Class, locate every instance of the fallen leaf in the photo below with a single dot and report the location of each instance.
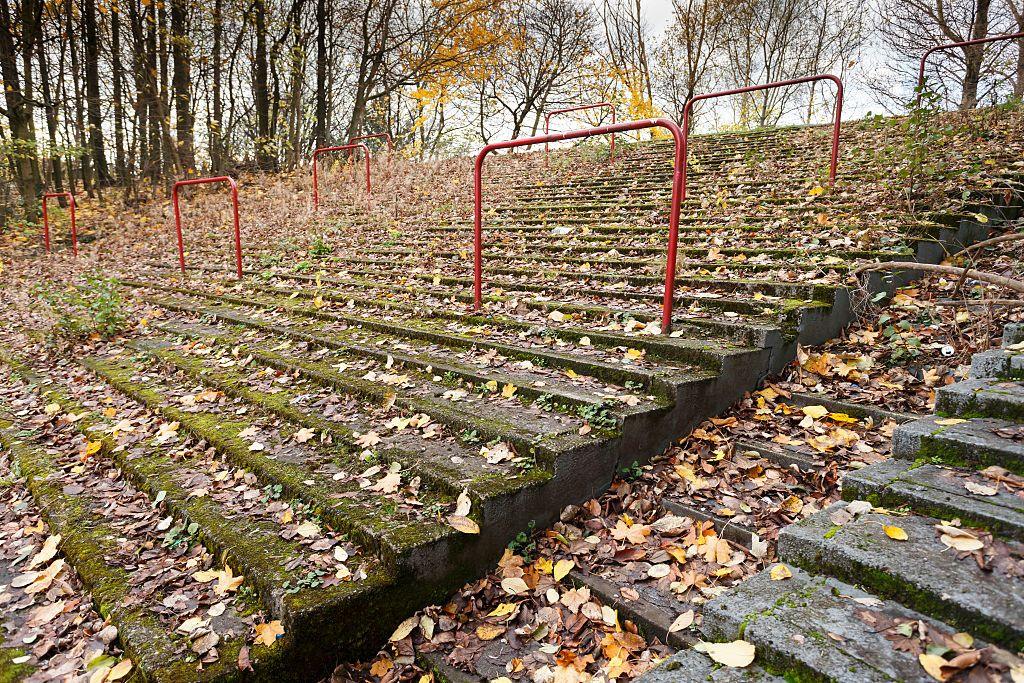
(894, 532)
(562, 569)
(404, 629)
(268, 633)
(684, 620)
(463, 524)
(737, 654)
(780, 572)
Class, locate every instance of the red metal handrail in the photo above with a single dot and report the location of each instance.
(46, 220)
(836, 125)
(234, 205)
(949, 46)
(385, 136)
(547, 124)
(324, 150)
(673, 230)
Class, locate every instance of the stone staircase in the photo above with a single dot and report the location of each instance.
(919, 567)
(363, 443)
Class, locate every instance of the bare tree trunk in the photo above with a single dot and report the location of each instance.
(321, 125)
(88, 182)
(51, 118)
(181, 48)
(120, 166)
(92, 93)
(974, 56)
(216, 139)
(264, 152)
(18, 100)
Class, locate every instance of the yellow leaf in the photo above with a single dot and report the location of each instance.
(52, 409)
(815, 412)
(268, 633)
(489, 631)
(463, 524)
(780, 572)
(950, 421)
(816, 191)
(508, 390)
(504, 609)
(93, 447)
(562, 569)
(932, 664)
(895, 532)
(120, 670)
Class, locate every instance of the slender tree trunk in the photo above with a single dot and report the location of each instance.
(181, 47)
(85, 164)
(216, 138)
(120, 167)
(51, 119)
(264, 150)
(92, 93)
(974, 56)
(321, 125)
(18, 101)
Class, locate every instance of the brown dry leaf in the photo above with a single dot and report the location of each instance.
(404, 629)
(45, 553)
(489, 631)
(268, 633)
(635, 534)
(932, 664)
(120, 670)
(463, 524)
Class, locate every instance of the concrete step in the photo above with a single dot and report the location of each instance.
(816, 628)
(968, 442)
(982, 397)
(249, 539)
(939, 492)
(921, 572)
(690, 666)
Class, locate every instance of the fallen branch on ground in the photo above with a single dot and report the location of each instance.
(953, 271)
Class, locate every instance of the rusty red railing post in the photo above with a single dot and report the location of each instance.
(547, 124)
(677, 191)
(324, 150)
(234, 206)
(836, 124)
(46, 220)
(949, 46)
(379, 136)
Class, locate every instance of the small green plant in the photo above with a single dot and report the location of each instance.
(312, 579)
(180, 536)
(545, 402)
(599, 416)
(320, 249)
(92, 308)
(302, 266)
(272, 492)
(469, 436)
(524, 544)
(632, 472)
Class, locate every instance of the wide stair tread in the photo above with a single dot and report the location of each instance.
(921, 572)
